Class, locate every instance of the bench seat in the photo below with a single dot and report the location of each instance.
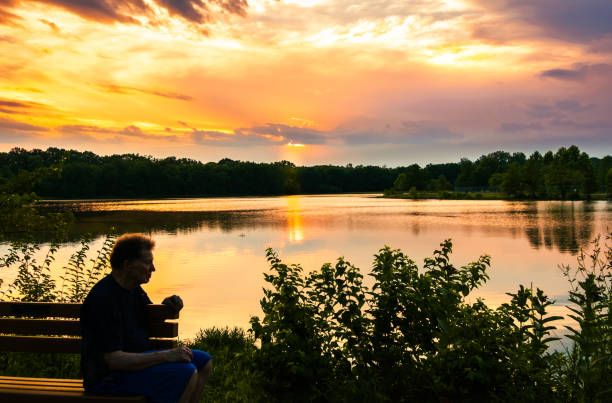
(38, 327)
(34, 390)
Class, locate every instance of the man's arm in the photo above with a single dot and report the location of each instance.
(122, 361)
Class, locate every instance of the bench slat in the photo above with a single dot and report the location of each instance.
(40, 309)
(40, 326)
(65, 383)
(71, 327)
(41, 344)
(67, 310)
(26, 379)
(49, 388)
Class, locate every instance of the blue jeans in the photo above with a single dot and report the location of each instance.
(163, 383)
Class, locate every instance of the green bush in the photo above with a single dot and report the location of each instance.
(412, 336)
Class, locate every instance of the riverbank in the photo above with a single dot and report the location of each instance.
(452, 195)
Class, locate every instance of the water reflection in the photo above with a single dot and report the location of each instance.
(563, 226)
(567, 226)
(295, 227)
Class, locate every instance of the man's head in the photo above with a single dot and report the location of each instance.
(132, 258)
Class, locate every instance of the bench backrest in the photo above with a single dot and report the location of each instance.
(54, 327)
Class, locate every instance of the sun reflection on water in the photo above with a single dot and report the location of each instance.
(295, 227)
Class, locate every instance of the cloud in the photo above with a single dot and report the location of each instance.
(7, 39)
(374, 131)
(559, 109)
(51, 24)
(590, 125)
(12, 106)
(578, 72)
(540, 111)
(7, 17)
(519, 127)
(117, 89)
(20, 126)
(133, 11)
(271, 133)
(191, 10)
(237, 7)
(113, 134)
(572, 105)
(284, 132)
(603, 45)
(569, 20)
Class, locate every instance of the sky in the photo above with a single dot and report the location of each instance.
(382, 82)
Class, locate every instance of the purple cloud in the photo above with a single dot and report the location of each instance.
(578, 72)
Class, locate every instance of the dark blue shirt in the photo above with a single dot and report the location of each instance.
(112, 318)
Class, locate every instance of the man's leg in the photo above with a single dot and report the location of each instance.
(203, 375)
(190, 390)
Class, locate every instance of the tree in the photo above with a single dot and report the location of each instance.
(441, 183)
(532, 175)
(401, 182)
(512, 183)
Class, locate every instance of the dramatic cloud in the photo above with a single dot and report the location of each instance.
(133, 11)
(578, 72)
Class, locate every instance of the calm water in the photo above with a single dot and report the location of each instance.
(212, 251)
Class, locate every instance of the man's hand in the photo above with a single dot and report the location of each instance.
(179, 354)
(175, 303)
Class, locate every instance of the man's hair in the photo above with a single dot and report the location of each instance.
(129, 247)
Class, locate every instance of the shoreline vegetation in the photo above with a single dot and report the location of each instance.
(567, 174)
(452, 195)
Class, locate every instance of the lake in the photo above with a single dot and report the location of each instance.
(211, 251)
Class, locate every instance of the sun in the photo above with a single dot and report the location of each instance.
(297, 145)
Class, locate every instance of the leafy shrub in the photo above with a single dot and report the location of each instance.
(411, 336)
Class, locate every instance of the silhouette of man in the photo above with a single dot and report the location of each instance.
(116, 357)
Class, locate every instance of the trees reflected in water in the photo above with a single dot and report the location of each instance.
(566, 226)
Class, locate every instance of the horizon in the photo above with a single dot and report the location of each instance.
(313, 82)
(422, 165)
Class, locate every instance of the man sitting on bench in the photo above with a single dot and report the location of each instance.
(116, 357)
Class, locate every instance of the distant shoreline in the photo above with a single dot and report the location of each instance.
(452, 195)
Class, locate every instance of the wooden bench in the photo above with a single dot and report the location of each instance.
(41, 327)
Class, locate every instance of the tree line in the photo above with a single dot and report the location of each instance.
(567, 173)
(88, 175)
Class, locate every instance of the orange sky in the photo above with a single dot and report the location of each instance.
(382, 82)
